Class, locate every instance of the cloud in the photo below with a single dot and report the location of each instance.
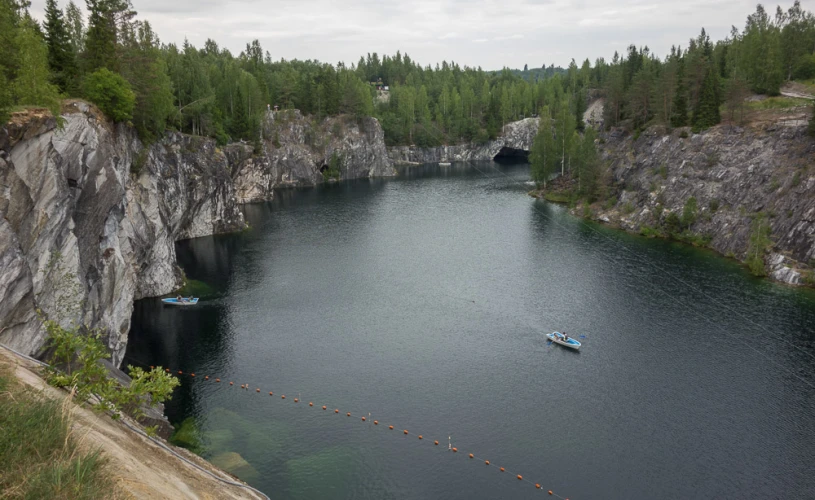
(487, 33)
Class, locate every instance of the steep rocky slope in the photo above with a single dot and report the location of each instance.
(296, 150)
(111, 209)
(737, 175)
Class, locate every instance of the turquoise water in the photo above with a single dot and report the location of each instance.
(424, 300)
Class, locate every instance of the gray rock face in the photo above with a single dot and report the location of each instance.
(297, 148)
(516, 137)
(734, 174)
(71, 191)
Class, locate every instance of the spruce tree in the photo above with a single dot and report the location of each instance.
(679, 108)
(100, 40)
(706, 113)
(61, 58)
(76, 27)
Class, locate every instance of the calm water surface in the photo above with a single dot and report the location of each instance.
(423, 300)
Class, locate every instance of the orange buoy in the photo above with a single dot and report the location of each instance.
(537, 486)
(206, 377)
(257, 390)
(405, 431)
(192, 374)
(217, 380)
(271, 393)
(180, 372)
(436, 443)
(167, 370)
(348, 414)
(336, 410)
(283, 396)
(376, 422)
(296, 400)
(324, 407)
(232, 383)
(487, 462)
(310, 403)
(550, 492)
(420, 436)
(520, 477)
(152, 367)
(501, 469)
(363, 419)
(390, 427)
(241, 386)
(455, 450)
(471, 455)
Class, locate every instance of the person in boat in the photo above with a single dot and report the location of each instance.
(180, 299)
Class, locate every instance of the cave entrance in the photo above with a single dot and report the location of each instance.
(323, 168)
(511, 155)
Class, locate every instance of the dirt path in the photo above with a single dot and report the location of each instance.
(143, 469)
(795, 89)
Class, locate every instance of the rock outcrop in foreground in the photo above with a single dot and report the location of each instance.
(737, 176)
(516, 139)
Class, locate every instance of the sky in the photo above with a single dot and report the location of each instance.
(491, 34)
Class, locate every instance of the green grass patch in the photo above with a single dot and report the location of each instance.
(196, 288)
(39, 455)
(778, 102)
(558, 197)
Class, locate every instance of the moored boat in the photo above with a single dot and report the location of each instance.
(180, 301)
(564, 340)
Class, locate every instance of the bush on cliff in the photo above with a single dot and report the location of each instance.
(111, 93)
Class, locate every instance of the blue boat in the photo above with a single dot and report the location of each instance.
(184, 301)
(564, 340)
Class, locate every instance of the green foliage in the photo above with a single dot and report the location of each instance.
(335, 166)
(187, 435)
(111, 93)
(713, 204)
(31, 85)
(610, 203)
(628, 208)
(758, 245)
(138, 162)
(689, 212)
(61, 55)
(796, 179)
(38, 452)
(706, 113)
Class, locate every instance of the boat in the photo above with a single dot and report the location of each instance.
(185, 301)
(444, 164)
(559, 338)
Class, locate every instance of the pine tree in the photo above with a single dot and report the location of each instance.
(542, 156)
(679, 108)
(61, 58)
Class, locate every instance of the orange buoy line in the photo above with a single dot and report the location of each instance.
(376, 422)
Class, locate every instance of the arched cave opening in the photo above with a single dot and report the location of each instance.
(511, 155)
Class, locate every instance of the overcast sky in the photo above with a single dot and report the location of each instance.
(487, 33)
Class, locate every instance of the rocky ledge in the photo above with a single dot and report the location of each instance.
(740, 178)
(297, 150)
(515, 140)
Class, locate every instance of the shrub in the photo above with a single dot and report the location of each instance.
(805, 67)
(111, 93)
(796, 178)
(759, 242)
(689, 212)
(683, 134)
(713, 205)
(628, 208)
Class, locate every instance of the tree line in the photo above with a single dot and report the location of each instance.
(115, 60)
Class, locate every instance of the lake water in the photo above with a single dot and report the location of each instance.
(424, 300)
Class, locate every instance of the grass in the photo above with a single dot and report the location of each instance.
(38, 452)
(778, 102)
(558, 197)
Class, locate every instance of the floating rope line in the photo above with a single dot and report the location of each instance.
(405, 432)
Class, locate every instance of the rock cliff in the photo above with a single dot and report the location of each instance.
(516, 139)
(297, 149)
(737, 175)
(110, 208)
